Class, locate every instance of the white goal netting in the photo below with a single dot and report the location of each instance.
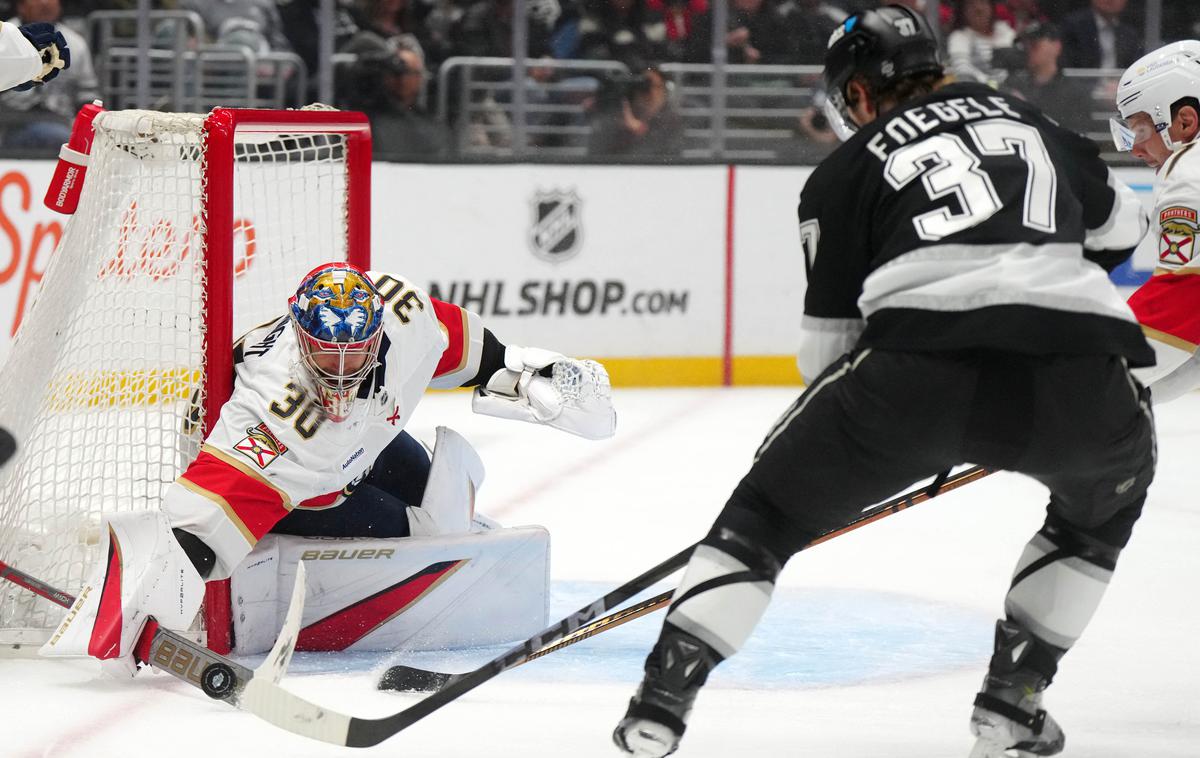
(105, 385)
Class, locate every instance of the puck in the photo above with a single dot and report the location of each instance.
(217, 681)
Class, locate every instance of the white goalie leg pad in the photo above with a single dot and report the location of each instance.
(575, 398)
(455, 475)
(405, 593)
(1054, 594)
(143, 572)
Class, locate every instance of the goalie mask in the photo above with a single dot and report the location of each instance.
(337, 314)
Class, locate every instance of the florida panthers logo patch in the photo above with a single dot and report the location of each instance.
(1177, 240)
(260, 446)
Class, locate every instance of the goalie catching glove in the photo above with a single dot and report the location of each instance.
(544, 387)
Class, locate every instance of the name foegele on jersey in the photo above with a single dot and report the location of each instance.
(920, 120)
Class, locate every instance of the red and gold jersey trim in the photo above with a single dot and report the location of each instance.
(252, 504)
(452, 320)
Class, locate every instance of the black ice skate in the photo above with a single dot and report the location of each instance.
(676, 669)
(1008, 718)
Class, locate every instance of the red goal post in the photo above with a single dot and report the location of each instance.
(191, 229)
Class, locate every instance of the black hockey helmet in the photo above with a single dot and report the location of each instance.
(882, 44)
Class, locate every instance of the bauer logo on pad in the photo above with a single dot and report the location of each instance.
(261, 446)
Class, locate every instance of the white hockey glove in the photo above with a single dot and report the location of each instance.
(143, 572)
(576, 397)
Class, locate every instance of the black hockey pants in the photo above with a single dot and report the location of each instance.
(877, 421)
(377, 507)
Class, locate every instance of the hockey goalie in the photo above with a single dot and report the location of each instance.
(309, 461)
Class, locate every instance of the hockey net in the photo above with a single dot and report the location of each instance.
(191, 229)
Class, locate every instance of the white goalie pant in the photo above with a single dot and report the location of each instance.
(410, 593)
(144, 572)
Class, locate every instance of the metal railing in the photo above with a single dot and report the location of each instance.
(748, 113)
(758, 116)
(185, 74)
(475, 98)
(758, 113)
(1103, 88)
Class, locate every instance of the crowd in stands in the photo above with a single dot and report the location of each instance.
(393, 45)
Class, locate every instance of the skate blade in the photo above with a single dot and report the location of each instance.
(985, 749)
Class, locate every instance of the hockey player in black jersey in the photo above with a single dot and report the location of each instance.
(957, 310)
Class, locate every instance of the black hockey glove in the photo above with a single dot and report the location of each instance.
(52, 46)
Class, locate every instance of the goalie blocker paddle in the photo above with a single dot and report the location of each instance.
(259, 692)
(411, 679)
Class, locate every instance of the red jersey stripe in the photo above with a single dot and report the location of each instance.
(454, 322)
(251, 503)
(321, 501)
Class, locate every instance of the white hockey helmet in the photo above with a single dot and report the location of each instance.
(1152, 85)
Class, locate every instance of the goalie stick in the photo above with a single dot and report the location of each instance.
(411, 679)
(184, 658)
(261, 694)
(258, 691)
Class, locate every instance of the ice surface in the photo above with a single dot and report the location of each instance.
(873, 648)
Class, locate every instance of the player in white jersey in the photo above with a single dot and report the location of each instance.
(312, 442)
(1159, 102)
(30, 55)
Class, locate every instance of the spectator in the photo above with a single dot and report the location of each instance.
(386, 83)
(634, 118)
(1020, 14)
(1181, 21)
(387, 18)
(1095, 37)
(1042, 83)
(977, 34)
(810, 23)
(756, 34)
(261, 13)
(298, 21)
(680, 18)
(442, 23)
(627, 31)
(486, 28)
(49, 109)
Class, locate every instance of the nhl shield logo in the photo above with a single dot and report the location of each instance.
(557, 230)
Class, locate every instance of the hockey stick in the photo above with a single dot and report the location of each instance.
(412, 679)
(184, 658)
(260, 693)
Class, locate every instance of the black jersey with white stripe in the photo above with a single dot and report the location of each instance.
(967, 219)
